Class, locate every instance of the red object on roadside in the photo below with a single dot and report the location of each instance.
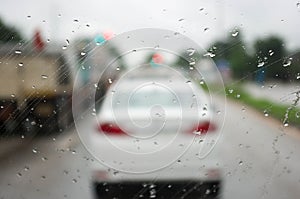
(38, 41)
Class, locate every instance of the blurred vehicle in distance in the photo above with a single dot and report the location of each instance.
(35, 91)
(150, 128)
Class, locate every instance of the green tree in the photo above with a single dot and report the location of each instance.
(8, 33)
(234, 51)
(270, 54)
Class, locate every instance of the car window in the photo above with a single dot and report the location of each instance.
(149, 99)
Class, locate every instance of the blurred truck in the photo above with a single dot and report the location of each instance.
(35, 89)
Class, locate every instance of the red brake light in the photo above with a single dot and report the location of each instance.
(110, 129)
(204, 127)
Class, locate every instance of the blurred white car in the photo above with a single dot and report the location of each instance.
(152, 137)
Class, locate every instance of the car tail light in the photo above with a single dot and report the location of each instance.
(203, 127)
(110, 129)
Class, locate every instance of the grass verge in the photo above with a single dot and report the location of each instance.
(288, 114)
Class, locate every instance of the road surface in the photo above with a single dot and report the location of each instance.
(259, 157)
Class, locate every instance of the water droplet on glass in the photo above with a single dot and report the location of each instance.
(26, 168)
(190, 51)
(19, 175)
(235, 33)
(13, 95)
(210, 54)
(18, 51)
(271, 52)
(287, 62)
(192, 63)
(44, 158)
(181, 19)
(241, 162)
(64, 47)
(266, 113)
(285, 124)
(230, 90)
(20, 64)
(76, 20)
(74, 180)
(110, 80)
(205, 29)
(82, 53)
(34, 150)
(68, 42)
(43, 177)
(44, 76)
(260, 64)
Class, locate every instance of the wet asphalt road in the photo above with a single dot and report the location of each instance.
(259, 157)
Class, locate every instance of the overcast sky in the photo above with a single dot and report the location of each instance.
(56, 17)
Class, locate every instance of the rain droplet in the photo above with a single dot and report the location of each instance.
(205, 29)
(26, 168)
(43, 177)
(190, 51)
(287, 62)
(285, 124)
(44, 158)
(260, 64)
(240, 162)
(64, 47)
(13, 95)
(20, 64)
(181, 19)
(266, 113)
(34, 150)
(44, 76)
(74, 180)
(82, 53)
(271, 52)
(76, 20)
(210, 54)
(18, 51)
(68, 42)
(298, 4)
(19, 175)
(110, 80)
(235, 33)
(192, 63)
